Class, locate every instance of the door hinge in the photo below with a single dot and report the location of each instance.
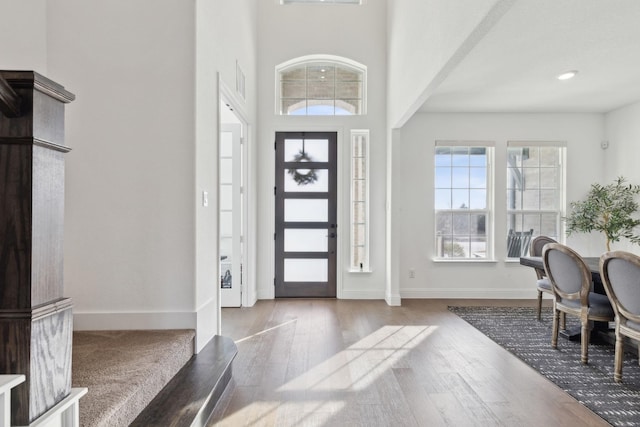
(274, 282)
(275, 190)
(275, 144)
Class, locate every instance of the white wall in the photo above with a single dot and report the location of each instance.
(426, 40)
(621, 158)
(129, 226)
(226, 33)
(355, 32)
(140, 250)
(499, 279)
(23, 35)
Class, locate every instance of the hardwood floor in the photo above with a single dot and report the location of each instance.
(363, 363)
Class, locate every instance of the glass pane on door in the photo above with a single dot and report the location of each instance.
(306, 210)
(305, 270)
(305, 240)
(306, 150)
(306, 180)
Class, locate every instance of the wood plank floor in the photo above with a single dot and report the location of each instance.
(363, 363)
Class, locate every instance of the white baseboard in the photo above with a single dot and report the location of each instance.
(128, 321)
(394, 300)
(436, 293)
(470, 293)
(207, 323)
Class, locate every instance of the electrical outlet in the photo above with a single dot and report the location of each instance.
(412, 273)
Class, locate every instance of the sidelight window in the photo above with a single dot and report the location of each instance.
(359, 200)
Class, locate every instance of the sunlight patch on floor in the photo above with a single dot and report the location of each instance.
(330, 391)
(358, 366)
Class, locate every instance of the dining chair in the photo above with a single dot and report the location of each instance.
(620, 272)
(571, 283)
(518, 243)
(543, 284)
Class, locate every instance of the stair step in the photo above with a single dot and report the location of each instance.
(190, 397)
(125, 370)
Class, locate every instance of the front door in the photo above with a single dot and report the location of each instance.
(305, 238)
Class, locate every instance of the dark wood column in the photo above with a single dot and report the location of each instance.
(35, 318)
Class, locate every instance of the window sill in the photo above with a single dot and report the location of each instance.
(356, 271)
(512, 260)
(465, 260)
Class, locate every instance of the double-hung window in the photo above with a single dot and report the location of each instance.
(462, 199)
(535, 189)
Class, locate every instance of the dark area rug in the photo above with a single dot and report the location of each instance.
(517, 330)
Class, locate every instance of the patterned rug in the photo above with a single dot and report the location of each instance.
(516, 329)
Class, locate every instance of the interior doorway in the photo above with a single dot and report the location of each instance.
(232, 213)
(305, 214)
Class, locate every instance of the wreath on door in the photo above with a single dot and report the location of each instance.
(303, 176)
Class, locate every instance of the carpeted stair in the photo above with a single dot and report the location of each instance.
(125, 370)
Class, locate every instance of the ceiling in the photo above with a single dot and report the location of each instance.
(514, 67)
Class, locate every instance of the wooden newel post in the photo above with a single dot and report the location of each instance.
(36, 322)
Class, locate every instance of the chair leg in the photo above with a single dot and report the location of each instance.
(563, 319)
(554, 333)
(539, 305)
(617, 366)
(584, 341)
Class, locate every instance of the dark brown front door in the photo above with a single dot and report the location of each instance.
(305, 239)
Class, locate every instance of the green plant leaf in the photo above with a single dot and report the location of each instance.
(608, 209)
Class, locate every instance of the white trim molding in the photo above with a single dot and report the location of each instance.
(470, 293)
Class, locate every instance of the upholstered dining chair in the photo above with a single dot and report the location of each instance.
(543, 284)
(571, 283)
(620, 272)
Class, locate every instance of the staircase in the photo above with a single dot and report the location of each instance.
(136, 378)
(141, 378)
(149, 378)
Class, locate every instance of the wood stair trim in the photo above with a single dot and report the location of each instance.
(191, 395)
(9, 99)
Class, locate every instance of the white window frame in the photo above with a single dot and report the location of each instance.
(360, 136)
(560, 212)
(334, 60)
(488, 211)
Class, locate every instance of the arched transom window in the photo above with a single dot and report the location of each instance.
(321, 86)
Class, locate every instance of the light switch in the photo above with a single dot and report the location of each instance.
(205, 199)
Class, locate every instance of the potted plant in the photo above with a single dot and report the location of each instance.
(607, 209)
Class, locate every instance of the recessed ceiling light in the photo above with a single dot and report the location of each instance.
(567, 75)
